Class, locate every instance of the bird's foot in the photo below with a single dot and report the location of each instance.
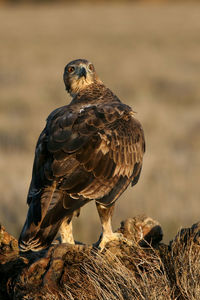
(114, 236)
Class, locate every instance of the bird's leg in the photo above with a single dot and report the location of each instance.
(105, 214)
(66, 231)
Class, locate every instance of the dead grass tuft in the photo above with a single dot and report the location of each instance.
(185, 251)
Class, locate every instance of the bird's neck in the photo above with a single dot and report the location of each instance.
(93, 94)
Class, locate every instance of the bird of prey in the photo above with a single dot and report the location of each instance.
(90, 149)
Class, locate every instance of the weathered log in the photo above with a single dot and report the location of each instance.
(137, 267)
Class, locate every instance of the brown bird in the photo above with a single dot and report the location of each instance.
(91, 149)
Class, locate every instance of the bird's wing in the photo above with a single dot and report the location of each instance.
(114, 151)
(89, 152)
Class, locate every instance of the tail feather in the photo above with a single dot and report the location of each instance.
(44, 218)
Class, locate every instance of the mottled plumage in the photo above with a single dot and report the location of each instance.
(91, 149)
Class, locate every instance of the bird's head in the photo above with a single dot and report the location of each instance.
(78, 74)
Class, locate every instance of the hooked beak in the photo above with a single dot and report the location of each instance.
(82, 72)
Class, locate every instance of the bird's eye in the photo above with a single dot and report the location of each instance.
(91, 67)
(70, 69)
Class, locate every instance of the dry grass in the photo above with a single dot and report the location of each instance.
(115, 281)
(186, 262)
(149, 56)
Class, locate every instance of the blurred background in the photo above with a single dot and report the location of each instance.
(148, 53)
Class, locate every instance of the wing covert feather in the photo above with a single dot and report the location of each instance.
(88, 151)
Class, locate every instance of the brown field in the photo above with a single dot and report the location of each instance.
(149, 55)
